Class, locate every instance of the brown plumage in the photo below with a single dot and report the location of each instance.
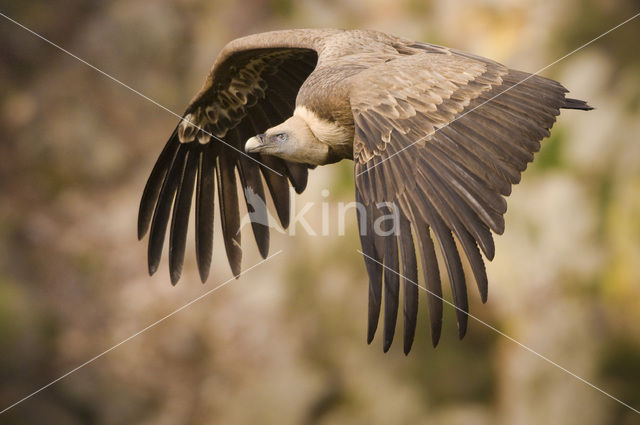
(440, 134)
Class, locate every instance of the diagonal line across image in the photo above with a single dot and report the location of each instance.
(91, 360)
(369, 168)
(255, 160)
(128, 87)
(531, 350)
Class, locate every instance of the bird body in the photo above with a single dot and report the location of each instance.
(438, 137)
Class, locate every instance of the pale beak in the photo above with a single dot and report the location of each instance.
(255, 144)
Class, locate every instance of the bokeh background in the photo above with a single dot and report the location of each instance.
(285, 344)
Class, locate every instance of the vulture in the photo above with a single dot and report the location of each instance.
(437, 135)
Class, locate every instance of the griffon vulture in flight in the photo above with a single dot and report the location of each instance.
(441, 134)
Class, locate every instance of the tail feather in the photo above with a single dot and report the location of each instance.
(576, 104)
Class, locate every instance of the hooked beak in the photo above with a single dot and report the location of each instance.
(255, 144)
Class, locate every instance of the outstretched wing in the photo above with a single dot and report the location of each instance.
(251, 87)
(426, 141)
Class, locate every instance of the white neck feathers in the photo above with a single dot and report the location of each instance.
(325, 131)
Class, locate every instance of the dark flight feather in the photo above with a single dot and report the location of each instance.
(409, 282)
(205, 210)
(391, 282)
(180, 218)
(229, 216)
(163, 209)
(154, 183)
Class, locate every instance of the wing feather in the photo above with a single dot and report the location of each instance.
(180, 217)
(487, 204)
(298, 176)
(163, 208)
(205, 210)
(278, 187)
(450, 189)
(431, 276)
(409, 282)
(433, 212)
(372, 259)
(229, 218)
(391, 286)
(154, 184)
(252, 185)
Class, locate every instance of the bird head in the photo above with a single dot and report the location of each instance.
(292, 140)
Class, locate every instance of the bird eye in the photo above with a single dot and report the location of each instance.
(280, 137)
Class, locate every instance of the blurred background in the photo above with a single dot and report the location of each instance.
(285, 344)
